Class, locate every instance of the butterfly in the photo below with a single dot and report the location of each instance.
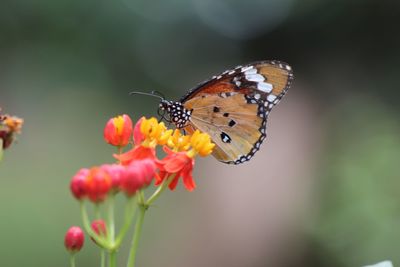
(232, 107)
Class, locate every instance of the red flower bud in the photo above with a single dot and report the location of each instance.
(117, 173)
(99, 227)
(118, 130)
(138, 174)
(98, 184)
(78, 184)
(74, 239)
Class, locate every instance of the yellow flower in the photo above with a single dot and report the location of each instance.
(155, 133)
(178, 142)
(201, 144)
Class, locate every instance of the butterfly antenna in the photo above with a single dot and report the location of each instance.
(152, 93)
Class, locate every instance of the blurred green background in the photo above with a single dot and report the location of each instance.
(323, 190)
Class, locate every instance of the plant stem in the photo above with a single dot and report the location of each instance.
(86, 224)
(72, 260)
(136, 235)
(103, 258)
(111, 231)
(130, 209)
(111, 224)
(112, 257)
(160, 189)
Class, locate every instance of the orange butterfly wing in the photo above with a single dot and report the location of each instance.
(233, 107)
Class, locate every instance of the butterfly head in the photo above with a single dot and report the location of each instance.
(177, 113)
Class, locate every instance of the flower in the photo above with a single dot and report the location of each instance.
(74, 239)
(201, 144)
(179, 142)
(139, 174)
(148, 133)
(118, 130)
(98, 184)
(100, 228)
(117, 173)
(180, 164)
(9, 127)
(154, 133)
(137, 153)
(78, 184)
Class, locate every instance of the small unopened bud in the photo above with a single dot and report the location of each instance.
(74, 239)
(78, 184)
(100, 228)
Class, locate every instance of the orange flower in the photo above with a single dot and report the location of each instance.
(118, 130)
(9, 127)
(178, 164)
(148, 133)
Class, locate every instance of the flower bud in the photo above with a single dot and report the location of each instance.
(118, 130)
(99, 227)
(138, 174)
(74, 239)
(78, 184)
(98, 184)
(117, 173)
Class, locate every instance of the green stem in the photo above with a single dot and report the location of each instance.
(130, 209)
(72, 260)
(111, 224)
(136, 235)
(160, 189)
(103, 258)
(112, 257)
(97, 212)
(86, 224)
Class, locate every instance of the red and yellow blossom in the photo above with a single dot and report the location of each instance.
(148, 133)
(118, 130)
(180, 164)
(9, 127)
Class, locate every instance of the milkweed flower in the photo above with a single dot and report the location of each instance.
(118, 130)
(9, 127)
(74, 239)
(139, 174)
(117, 173)
(148, 133)
(99, 227)
(98, 184)
(78, 184)
(181, 163)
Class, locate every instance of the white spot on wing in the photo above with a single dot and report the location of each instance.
(265, 87)
(250, 71)
(271, 98)
(255, 78)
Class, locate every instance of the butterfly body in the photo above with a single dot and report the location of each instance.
(233, 107)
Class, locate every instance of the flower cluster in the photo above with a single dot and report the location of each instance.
(135, 169)
(139, 166)
(9, 127)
